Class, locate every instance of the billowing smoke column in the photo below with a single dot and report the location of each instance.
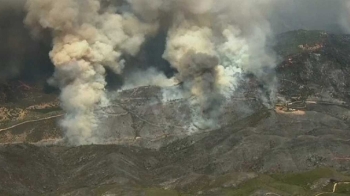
(85, 41)
(209, 43)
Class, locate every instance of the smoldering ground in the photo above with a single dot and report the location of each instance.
(206, 45)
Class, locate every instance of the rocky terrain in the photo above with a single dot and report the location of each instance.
(300, 146)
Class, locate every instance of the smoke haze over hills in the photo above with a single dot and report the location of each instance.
(205, 45)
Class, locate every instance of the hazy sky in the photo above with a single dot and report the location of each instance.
(309, 14)
(287, 14)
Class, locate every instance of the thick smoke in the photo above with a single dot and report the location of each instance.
(84, 42)
(210, 43)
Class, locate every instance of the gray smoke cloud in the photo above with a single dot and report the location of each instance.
(210, 43)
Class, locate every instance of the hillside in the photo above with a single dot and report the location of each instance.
(299, 147)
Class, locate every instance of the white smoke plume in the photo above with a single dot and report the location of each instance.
(84, 42)
(149, 77)
(211, 44)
